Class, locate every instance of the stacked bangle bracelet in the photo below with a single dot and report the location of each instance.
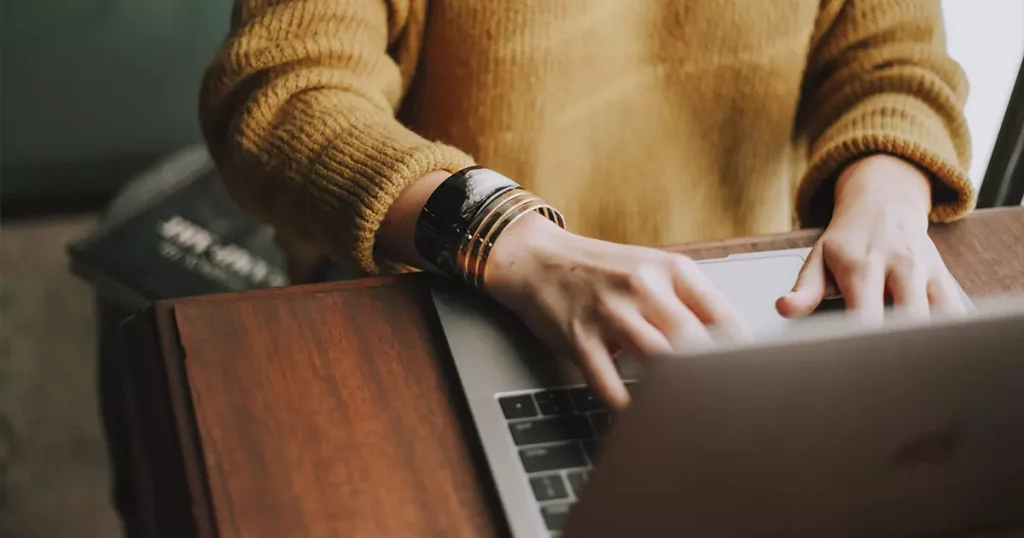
(464, 217)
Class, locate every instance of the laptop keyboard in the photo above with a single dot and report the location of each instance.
(558, 433)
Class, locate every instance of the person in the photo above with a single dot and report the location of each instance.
(383, 133)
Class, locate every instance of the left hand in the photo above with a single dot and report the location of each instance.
(876, 246)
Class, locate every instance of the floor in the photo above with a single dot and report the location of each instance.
(53, 467)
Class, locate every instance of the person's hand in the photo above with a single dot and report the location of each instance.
(877, 246)
(589, 299)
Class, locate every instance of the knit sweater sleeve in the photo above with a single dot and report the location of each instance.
(298, 110)
(879, 81)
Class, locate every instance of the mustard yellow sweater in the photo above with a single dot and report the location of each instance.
(649, 122)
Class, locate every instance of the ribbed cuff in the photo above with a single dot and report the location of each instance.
(895, 125)
(360, 175)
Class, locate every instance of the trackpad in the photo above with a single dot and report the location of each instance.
(753, 285)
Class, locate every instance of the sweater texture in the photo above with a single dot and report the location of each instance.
(649, 122)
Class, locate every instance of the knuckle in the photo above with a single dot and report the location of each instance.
(641, 280)
(620, 280)
(904, 261)
(840, 256)
(681, 262)
(837, 249)
(681, 266)
(849, 265)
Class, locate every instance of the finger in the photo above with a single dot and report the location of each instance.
(863, 288)
(944, 294)
(682, 328)
(810, 287)
(909, 290)
(663, 309)
(630, 331)
(707, 304)
(598, 368)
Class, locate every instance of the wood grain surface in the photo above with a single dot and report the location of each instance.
(984, 252)
(326, 414)
(326, 410)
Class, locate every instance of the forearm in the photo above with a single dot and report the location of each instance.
(300, 119)
(395, 237)
(880, 82)
(328, 174)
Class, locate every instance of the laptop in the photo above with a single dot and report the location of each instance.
(914, 430)
(542, 430)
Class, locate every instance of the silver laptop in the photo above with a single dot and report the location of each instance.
(541, 429)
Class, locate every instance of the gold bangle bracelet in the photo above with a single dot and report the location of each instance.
(479, 257)
(485, 219)
(508, 219)
(484, 228)
(488, 215)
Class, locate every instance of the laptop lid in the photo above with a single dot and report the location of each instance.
(914, 430)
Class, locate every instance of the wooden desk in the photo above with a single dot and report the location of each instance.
(328, 410)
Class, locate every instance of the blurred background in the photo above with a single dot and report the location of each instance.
(96, 91)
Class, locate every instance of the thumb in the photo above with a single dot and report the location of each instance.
(809, 289)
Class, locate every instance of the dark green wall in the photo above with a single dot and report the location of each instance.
(94, 90)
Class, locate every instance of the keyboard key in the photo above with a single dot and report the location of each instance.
(591, 448)
(553, 402)
(602, 422)
(521, 406)
(577, 479)
(552, 458)
(555, 516)
(549, 487)
(584, 399)
(549, 430)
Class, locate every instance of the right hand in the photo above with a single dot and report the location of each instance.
(590, 299)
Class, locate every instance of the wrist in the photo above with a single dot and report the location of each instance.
(395, 236)
(465, 217)
(522, 245)
(884, 182)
